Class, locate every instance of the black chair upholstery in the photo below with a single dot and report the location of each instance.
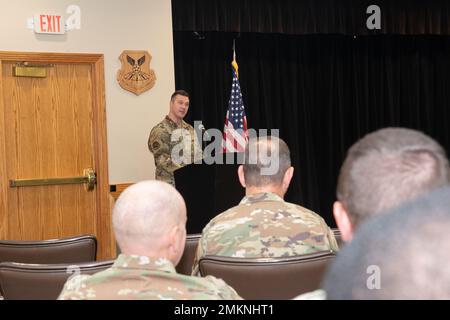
(269, 278)
(68, 250)
(190, 248)
(20, 281)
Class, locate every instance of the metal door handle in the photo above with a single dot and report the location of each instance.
(89, 178)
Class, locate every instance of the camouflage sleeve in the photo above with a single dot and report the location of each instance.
(159, 145)
(197, 151)
(224, 290)
(199, 253)
(331, 238)
(73, 288)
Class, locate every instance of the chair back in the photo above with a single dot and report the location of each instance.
(269, 278)
(68, 250)
(190, 248)
(20, 281)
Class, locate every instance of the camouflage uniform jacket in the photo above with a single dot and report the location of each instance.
(263, 226)
(140, 277)
(160, 144)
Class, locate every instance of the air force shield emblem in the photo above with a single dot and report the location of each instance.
(135, 74)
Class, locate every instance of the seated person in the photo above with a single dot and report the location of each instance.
(263, 224)
(385, 169)
(399, 255)
(149, 221)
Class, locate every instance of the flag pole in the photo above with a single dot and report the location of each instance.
(234, 62)
(234, 50)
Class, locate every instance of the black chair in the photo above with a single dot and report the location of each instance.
(68, 250)
(269, 278)
(187, 260)
(20, 281)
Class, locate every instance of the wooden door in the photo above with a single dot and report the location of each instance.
(53, 127)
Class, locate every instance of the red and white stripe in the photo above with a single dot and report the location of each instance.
(233, 141)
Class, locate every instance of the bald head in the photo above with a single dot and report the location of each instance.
(145, 215)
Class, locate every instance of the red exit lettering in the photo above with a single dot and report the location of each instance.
(49, 23)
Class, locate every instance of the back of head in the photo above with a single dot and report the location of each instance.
(400, 255)
(266, 160)
(144, 214)
(388, 167)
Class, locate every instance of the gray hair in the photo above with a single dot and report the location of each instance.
(266, 160)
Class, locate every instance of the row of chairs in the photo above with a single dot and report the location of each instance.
(46, 265)
(185, 264)
(262, 278)
(41, 268)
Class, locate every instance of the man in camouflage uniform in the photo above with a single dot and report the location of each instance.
(381, 171)
(149, 221)
(263, 224)
(170, 132)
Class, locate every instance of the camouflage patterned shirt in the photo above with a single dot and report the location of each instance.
(161, 143)
(139, 277)
(262, 226)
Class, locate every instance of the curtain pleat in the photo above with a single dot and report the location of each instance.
(322, 91)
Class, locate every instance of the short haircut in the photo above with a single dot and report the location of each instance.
(179, 93)
(400, 255)
(388, 167)
(145, 211)
(259, 155)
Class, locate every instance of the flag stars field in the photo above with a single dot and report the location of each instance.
(235, 130)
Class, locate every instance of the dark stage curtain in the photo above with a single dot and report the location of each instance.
(311, 16)
(322, 91)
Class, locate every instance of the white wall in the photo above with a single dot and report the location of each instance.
(109, 27)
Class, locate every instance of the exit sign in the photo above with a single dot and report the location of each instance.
(49, 24)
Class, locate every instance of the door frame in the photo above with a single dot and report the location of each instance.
(96, 61)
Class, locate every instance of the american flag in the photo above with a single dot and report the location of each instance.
(235, 133)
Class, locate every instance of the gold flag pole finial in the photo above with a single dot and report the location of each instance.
(234, 62)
